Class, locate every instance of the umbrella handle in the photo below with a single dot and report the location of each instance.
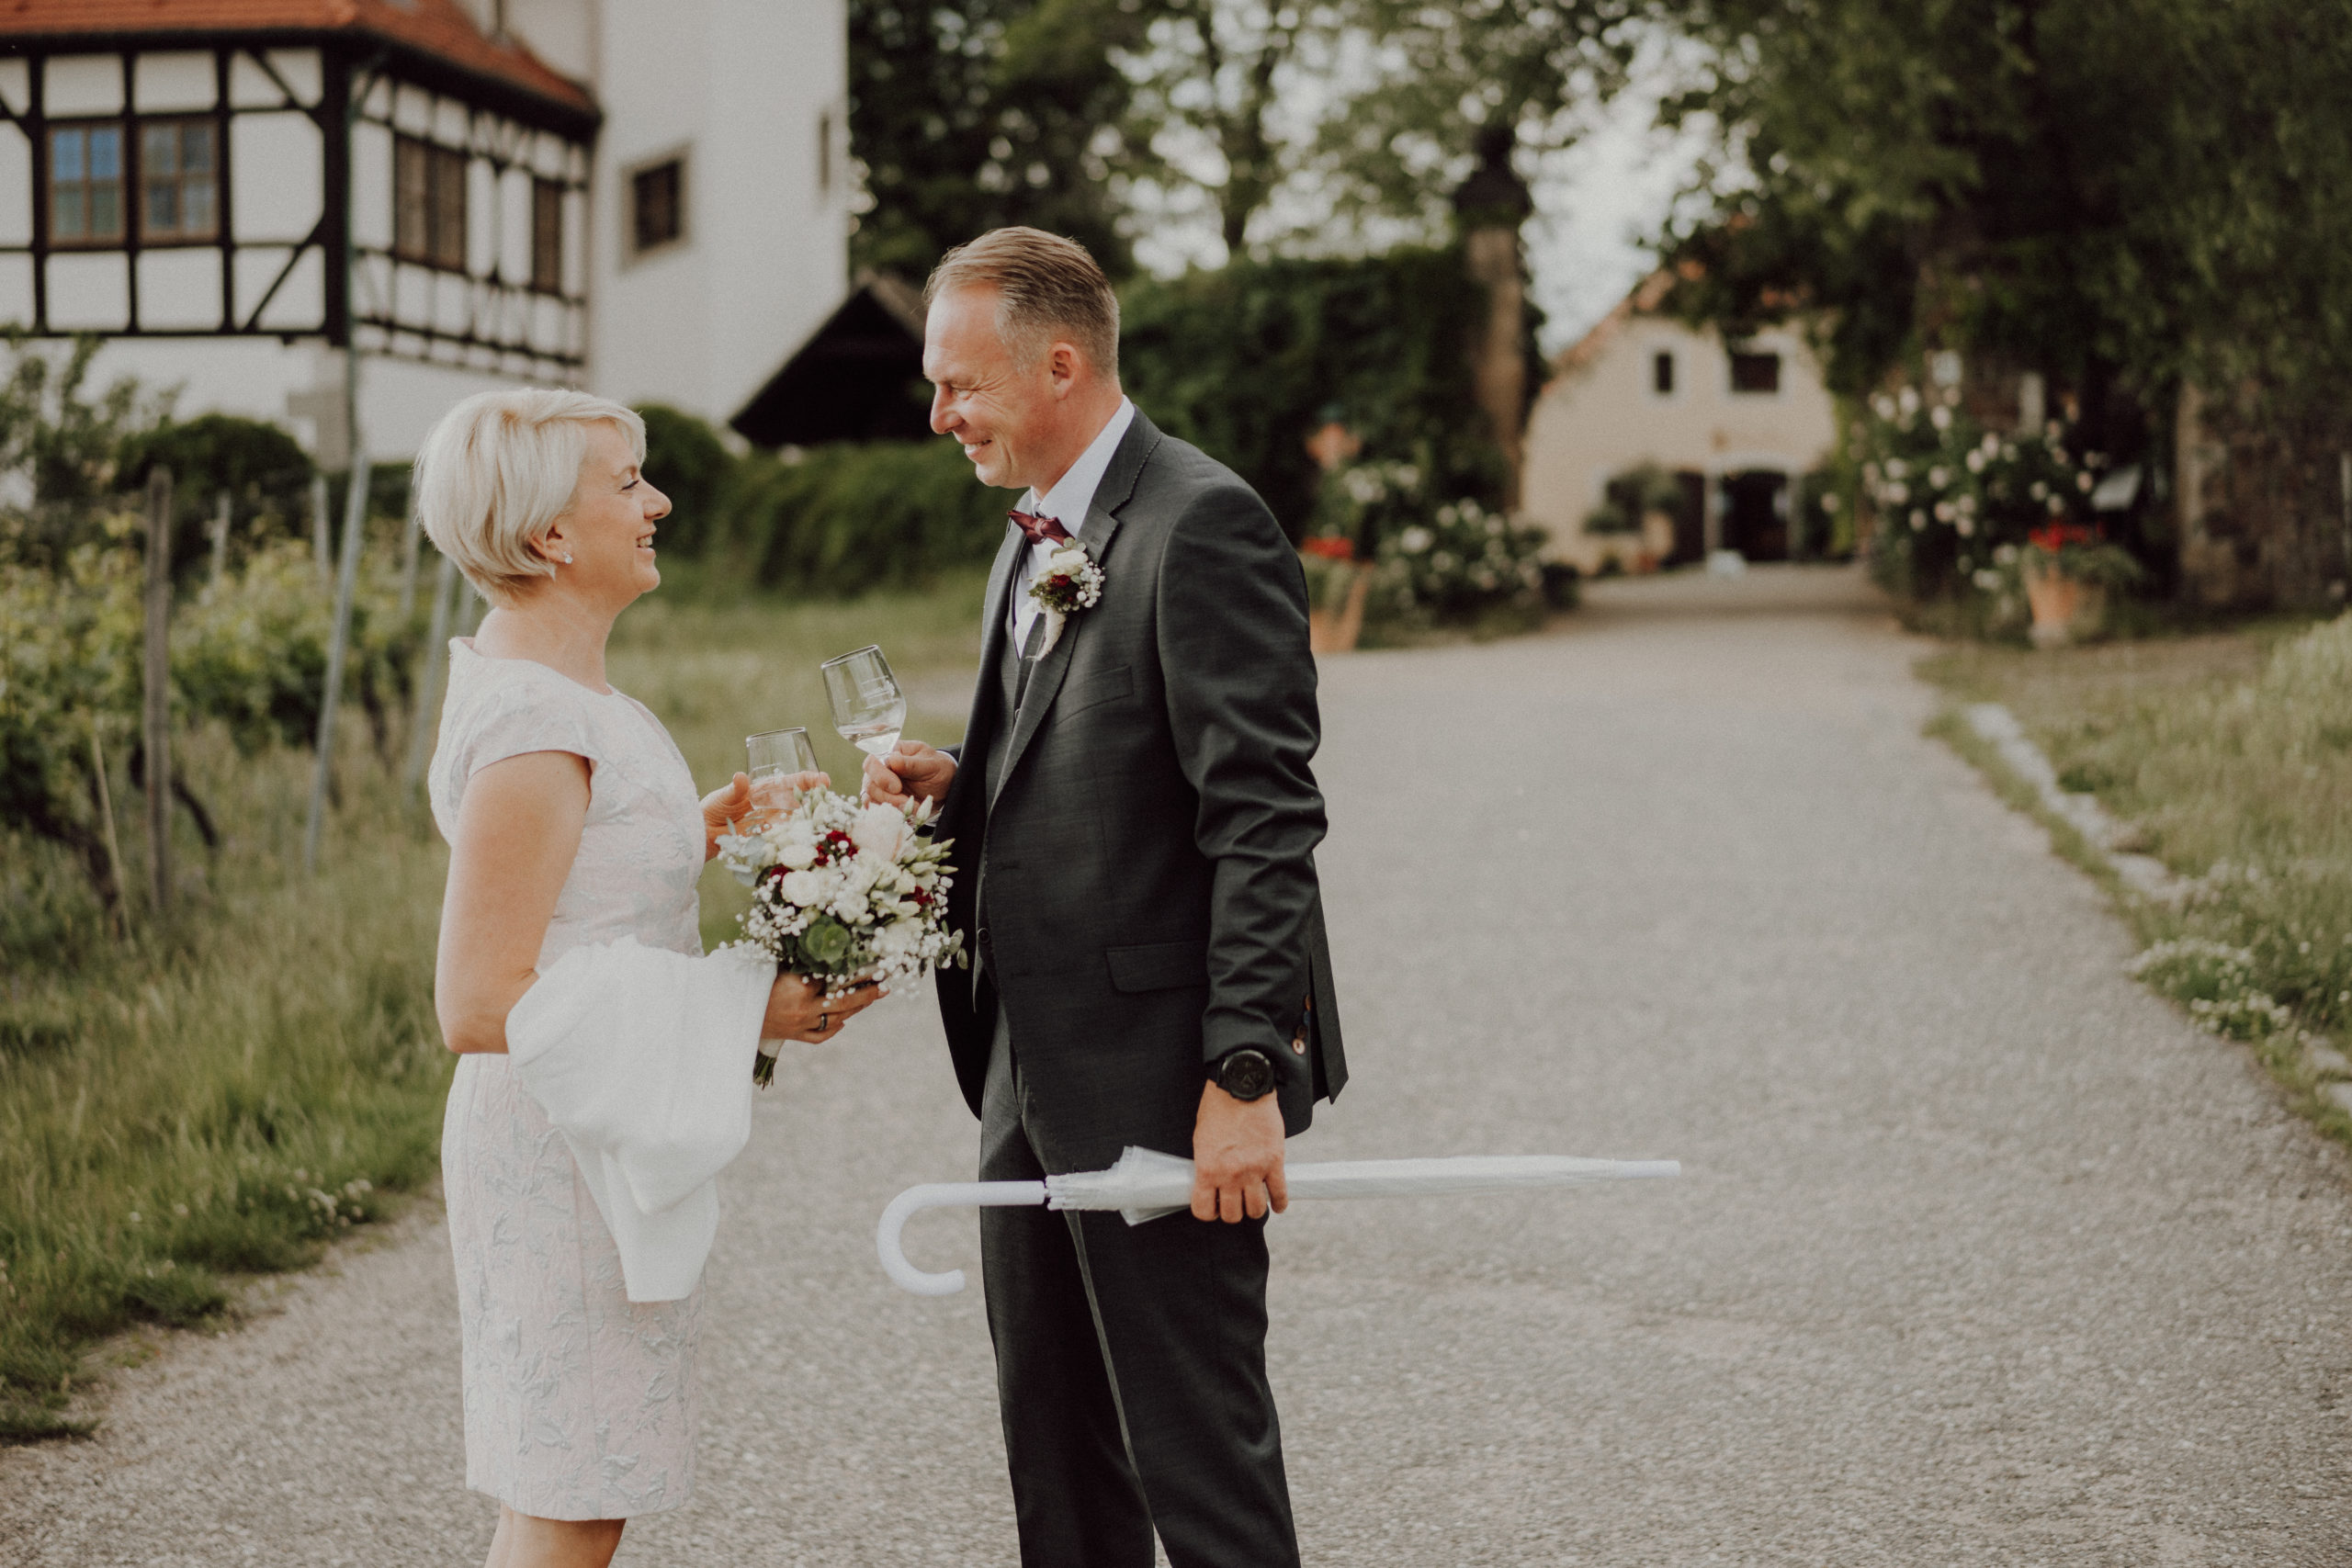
(943, 1195)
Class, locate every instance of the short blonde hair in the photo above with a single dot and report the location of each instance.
(499, 470)
(1046, 286)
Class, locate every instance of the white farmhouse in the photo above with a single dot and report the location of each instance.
(647, 199)
(1735, 427)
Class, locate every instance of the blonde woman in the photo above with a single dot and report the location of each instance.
(572, 820)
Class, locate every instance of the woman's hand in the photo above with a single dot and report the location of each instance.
(798, 1008)
(723, 808)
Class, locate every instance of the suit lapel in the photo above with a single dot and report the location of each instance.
(1116, 490)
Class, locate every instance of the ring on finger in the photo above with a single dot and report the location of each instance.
(824, 1021)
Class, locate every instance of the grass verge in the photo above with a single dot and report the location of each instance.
(223, 1094)
(2230, 755)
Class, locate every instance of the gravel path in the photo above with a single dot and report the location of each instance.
(1982, 1254)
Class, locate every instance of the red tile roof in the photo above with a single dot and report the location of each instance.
(437, 27)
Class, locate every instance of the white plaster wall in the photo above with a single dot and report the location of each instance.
(740, 85)
(1593, 423)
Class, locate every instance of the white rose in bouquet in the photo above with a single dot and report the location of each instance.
(881, 831)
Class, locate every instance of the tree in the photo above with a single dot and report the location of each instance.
(979, 113)
(1371, 111)
(2117, 193)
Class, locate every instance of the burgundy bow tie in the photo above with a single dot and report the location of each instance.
(1038, 529)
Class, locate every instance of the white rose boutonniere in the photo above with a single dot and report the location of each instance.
(1069, 582)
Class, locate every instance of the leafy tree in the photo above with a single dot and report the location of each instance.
(60, 440)
(970, 115)
(2117, 193)
(1461, 74)
(1370, 111)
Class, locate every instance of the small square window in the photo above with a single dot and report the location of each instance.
(546, 236)
(658, 205)
(1662, 375)
(1755, 373)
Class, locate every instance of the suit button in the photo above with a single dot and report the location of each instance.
(983, 936)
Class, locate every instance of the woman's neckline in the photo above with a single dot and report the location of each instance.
(468, 644)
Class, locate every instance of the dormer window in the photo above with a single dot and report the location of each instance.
(85, 205)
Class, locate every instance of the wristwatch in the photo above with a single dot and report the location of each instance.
(1245, 1074)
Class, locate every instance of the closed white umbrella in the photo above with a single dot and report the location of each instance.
(1145, 1185)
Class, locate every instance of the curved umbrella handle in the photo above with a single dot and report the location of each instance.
(943, 1195)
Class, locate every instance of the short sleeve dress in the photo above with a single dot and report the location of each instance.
(579, 1404)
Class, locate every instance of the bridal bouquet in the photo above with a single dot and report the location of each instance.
(844, 893)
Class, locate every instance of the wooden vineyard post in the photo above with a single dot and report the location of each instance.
(346, 581)
(221, 514)
(157, 719)
(321, 534)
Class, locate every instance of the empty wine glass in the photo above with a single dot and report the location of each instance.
(868, 708)
(775, 756)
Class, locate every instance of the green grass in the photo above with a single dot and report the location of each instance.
(2230, 754)
(223, 1095)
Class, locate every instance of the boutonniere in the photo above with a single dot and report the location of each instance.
(1069, 582)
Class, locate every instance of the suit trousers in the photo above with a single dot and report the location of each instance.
(1131, 1373)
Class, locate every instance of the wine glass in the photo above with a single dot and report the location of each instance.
(775, 756)
(868, 708)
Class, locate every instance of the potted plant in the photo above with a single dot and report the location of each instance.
(2068, 569)
(1336, 585)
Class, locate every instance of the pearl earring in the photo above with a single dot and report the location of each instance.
(567, 557)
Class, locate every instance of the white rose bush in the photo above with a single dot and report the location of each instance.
(1963, 507)
(843, 894)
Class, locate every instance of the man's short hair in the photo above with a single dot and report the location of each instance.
(1048, 287)
(500, 469)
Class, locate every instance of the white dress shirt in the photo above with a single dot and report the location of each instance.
(1067, 505)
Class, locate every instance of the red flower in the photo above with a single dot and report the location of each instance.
(2056, 536)
(1329, 548)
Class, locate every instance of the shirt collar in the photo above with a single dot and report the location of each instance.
(1073, 493)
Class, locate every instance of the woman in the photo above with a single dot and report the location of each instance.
(572, 819)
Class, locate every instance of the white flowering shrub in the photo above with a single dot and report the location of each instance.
(1461, 561)
(1960, 506)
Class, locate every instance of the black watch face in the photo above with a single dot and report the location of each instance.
(1246, 1075)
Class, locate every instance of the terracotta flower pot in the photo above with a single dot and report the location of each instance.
(2064, 608)
(1338, 630)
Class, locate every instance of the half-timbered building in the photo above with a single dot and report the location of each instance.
(649, 200)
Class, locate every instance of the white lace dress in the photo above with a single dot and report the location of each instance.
(579, 1404)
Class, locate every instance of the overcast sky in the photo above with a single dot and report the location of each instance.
(1594, 205)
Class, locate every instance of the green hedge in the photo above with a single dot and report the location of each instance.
(1246, 362)
(846, 519)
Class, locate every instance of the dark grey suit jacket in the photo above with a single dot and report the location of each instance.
(1137, 881)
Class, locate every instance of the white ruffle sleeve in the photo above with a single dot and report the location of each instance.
(643, 1059)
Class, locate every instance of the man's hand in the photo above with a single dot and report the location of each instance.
(914, 772)
(1237, 1158)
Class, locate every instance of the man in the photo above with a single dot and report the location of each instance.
(1135, 820)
